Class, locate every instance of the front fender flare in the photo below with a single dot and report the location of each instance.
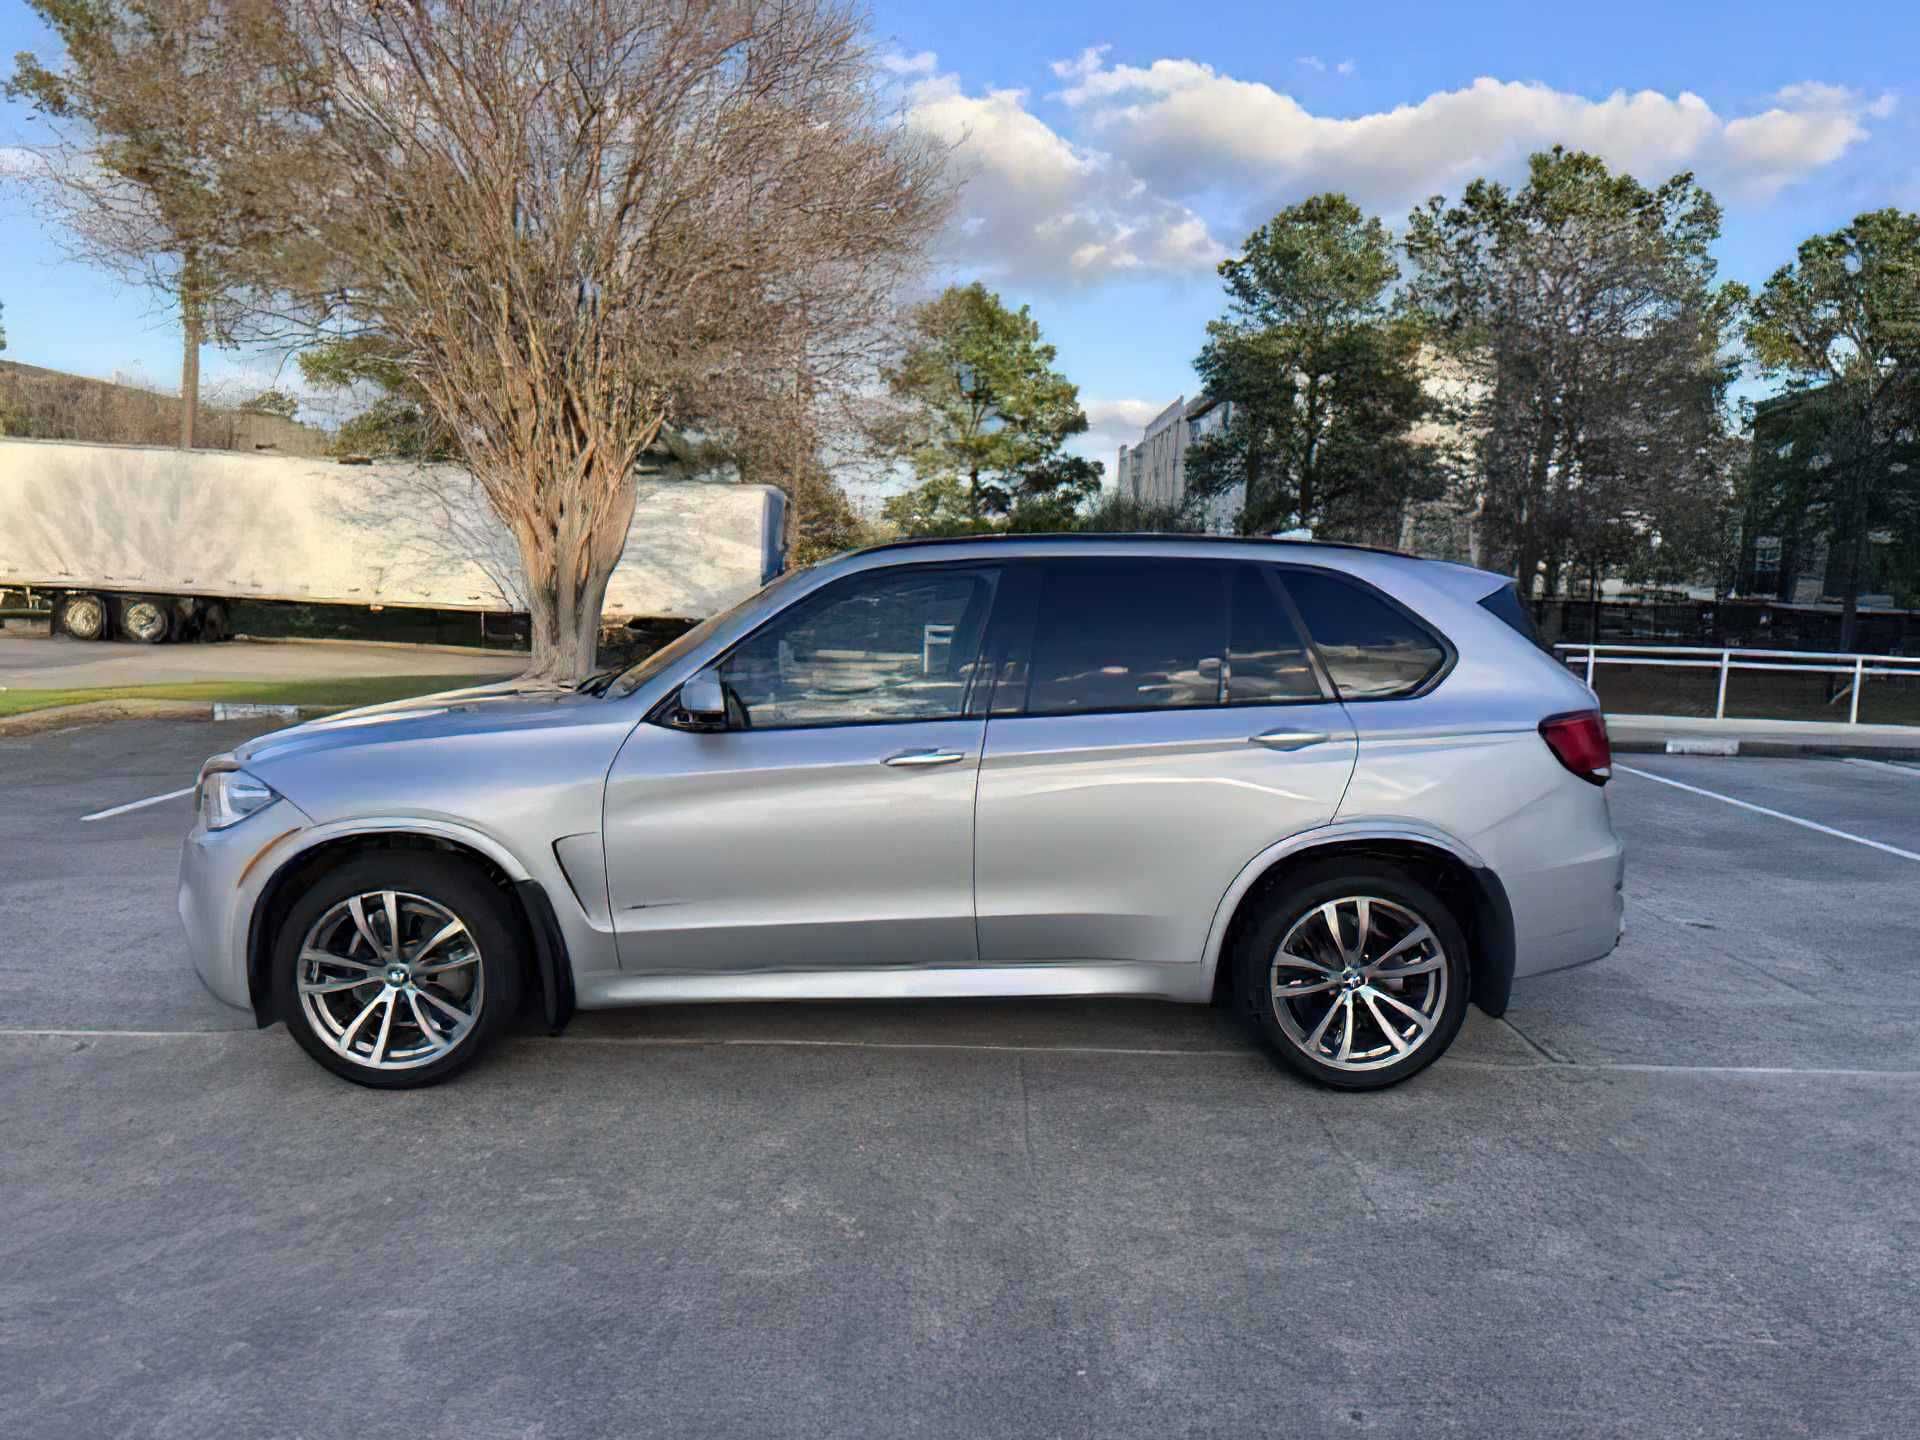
(307, 841)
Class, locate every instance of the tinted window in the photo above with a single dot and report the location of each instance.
(1266, 660)
(1505, 602)
(894, 645)
(1128, 635)
(1372, 648)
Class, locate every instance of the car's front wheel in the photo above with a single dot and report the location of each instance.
(398, 968)
(1355, 975)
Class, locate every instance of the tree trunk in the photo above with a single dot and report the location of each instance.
(567, 572)
(189, 375)
(1529, 545)
(973, 497)
(1850, 599)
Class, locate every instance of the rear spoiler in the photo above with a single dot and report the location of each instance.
(1464, 582)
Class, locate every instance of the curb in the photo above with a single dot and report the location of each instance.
(96, 712)
(1763, 749)
(523, 657)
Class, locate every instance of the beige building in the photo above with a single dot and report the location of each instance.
(1154, 472)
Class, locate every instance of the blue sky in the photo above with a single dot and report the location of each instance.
(1114, 153)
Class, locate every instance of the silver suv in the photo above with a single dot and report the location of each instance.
(1340, 789)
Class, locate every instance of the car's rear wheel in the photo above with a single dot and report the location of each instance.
(397, 969)
(1355, 975)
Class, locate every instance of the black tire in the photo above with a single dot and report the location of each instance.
(456, 886)
(146, 619)
(84, 617)
(1371, 1000)
(215, 623)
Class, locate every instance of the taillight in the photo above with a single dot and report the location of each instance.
(1579, 742)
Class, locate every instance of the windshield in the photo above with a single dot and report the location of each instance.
(641, 671)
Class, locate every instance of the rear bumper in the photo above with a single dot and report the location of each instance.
(222, 873)
(1570, 913)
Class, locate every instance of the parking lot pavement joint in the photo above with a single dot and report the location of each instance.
(1534, 1045)
(1026, 1120)
(1550, 1063)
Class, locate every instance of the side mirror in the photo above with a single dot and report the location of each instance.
(703, 702)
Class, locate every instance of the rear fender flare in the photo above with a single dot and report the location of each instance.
(1490, 990)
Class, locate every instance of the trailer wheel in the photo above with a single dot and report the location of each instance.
(144, 619)
(215, 623)
(84, 617)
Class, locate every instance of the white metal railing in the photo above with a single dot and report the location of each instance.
(1860, 668)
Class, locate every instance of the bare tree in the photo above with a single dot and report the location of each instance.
(576, 221)
(1583, 312)
(151, 105)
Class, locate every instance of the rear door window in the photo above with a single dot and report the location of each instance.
(1372, 648)
(1267, 660)
(1129, 635)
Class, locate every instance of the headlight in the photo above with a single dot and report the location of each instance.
(229, 796)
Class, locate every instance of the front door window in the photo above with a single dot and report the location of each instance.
(893, 646)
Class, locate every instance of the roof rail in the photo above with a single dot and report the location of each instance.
(1099, 536)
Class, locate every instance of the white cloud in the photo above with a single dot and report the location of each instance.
(921, 64)
(1113, 423)
(1190, 130)
(1153, 159)
(1036, 206)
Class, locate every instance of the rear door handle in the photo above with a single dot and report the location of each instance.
(1288, 739)
(913, 759)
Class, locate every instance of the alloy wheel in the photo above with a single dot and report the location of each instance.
(390, 980)
(1359, 983)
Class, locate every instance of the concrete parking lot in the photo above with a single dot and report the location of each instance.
(1671, 1194)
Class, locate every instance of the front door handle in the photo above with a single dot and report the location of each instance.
(1288, 739)
(913, 759)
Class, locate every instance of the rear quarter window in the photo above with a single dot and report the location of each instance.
(1506, 603)
(1372, 648)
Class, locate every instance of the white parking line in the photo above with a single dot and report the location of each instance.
(1776, 814)
(138, 804)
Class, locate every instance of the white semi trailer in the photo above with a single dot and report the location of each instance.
(155, 544)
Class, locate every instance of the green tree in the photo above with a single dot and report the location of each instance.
(273, 402)
(824, 522)
(1322, 382)
(1582, 313)
(1116, 514)
(396, 422)
(150, 105)
(1841, 327)
(982, 416)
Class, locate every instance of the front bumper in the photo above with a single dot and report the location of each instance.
(222, 873)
